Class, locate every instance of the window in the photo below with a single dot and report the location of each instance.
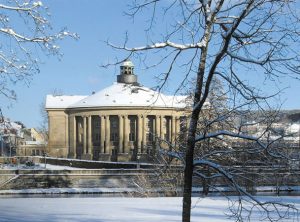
(97, 137)
(114, 136)
(131, 137)
(168, 128)
(183, 123)
(132, 130)
(149, 137)
(97, 123)
(114, 128)
(150, 128)
(114, 124)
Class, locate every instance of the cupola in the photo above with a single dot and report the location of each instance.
(127, 75)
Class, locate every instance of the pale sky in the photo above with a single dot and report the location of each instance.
(79, 71)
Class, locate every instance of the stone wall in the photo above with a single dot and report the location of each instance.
(95, 164)
(33, 179)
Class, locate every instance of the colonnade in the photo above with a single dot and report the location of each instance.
(148, 130)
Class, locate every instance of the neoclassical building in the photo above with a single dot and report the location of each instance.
(122, 122)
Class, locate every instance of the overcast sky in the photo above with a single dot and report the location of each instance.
(79, 71)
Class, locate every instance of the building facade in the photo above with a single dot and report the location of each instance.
(123, 122)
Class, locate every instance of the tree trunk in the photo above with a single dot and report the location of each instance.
(188, 172)
(189, 156)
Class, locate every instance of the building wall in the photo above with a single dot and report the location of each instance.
(31, 150)
(58, 133)
(74, 133)
(36, 135)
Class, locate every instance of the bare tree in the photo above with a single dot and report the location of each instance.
(232, 40)
(25, 31)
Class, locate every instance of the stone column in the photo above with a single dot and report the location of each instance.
(126, 134)
(177, 129)
(177, 125)
(90, 137)
(157, 133)
(84, 134)
(162, 127)
(107, 135)
(74, 136)
(121, 133)
(140, 133)
(144, 149)
(102, 133)
(173, 129)
(67, 138)
(170, 128)
(157, 127)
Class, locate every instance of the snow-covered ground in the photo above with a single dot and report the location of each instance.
(210, 209)
(37, 166)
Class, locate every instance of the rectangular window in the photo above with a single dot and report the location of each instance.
(97, 137)
(114, 137)
(168, 128)
(114, 128)
(150, 128)
(183, 123)
(97, 124)
(131, 137)
(132, 130)
(149, 137)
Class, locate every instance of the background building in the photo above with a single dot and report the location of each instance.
(33, 143)
(122, 122)
(16, 139)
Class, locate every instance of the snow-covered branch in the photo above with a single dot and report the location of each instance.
(160, 45)
(17, 60)
(218, 134)
(22, 7)
(24, 38)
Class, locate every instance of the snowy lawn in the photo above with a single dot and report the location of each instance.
(112, 209)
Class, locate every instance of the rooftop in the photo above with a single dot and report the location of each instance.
(126, 92)
(118, 94)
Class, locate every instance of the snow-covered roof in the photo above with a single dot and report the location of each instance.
(121, 95)
(61, 101)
